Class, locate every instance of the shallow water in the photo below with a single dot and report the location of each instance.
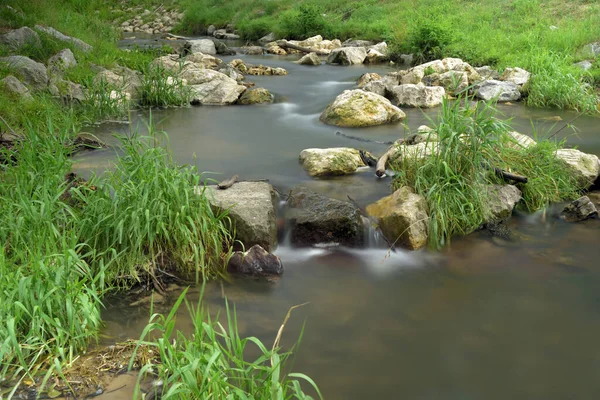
(485, 318)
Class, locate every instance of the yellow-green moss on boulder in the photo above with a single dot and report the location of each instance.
(357, 108)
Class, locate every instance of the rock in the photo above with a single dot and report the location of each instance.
(32, 73)
(223, 49)
(579, 210)
(418, 95)
(251, 208)
(273, 48)
(456, 64)
(267, 38)
(347, 56)
(63, 59)
(585, 65)
(434, 66)
(263, 70)
(205, 46)
(14, 86)
(357, 108)
(517, 76)
(202, 60)
(125, 80)
(518, 140)
(80, 44)
(403, 218)
(309, 59)
(256, 262)
(210, 30)
(503, 91)
(213, 88)
(240, 65)
(413, 76)
(256, 96)
(592, 49)
(454, 81)
(501, 202)
(314, 219)
(585, 167)
(377, 87)
(367, 77)
(18, 38)
(331, 162)
(357, 43)
(231, 72)
(381, 48)
(252, 50)
(415, 152)
(223, 34)
(424, 135)
(407, 59)
(487, 73)
(71, 92)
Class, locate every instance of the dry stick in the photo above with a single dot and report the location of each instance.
(226, 184)
(280, 332)
(383, 160)
(284, 44)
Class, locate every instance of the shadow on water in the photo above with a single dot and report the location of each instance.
(485, 318)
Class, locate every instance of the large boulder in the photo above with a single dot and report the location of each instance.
(214, 88)
(310, 59)
(314, 219)
(62, 60)
(503, 91)
(347, 56)
(418, 95)
(402, 217)
(18, 38)
(256, 96)
(501, 202)
(585, 167)
(205, 46)
(256, 262)
(356, 108)
(14, 86)
(251, 208)
(579, 210)
(518, 76)
(80, 44)
(33, 74)
(333, 161)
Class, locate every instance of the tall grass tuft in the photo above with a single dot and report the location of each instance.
(161, 88)
(212, 363)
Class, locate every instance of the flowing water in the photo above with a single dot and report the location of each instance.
(483, 319)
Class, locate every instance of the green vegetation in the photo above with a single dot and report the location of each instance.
(454, 179)
(500, 33)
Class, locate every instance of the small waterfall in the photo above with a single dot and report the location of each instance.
(373, 237)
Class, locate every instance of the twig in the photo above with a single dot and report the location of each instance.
(564, 126)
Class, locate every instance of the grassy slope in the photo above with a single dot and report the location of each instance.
(500, 33)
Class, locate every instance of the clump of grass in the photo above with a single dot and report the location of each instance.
(105, 101)
(212, 364)
(161, 88)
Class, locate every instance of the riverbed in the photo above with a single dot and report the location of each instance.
(483, 319)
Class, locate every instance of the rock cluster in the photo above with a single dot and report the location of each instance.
(150, 22)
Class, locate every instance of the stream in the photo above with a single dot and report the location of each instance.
(483, 319)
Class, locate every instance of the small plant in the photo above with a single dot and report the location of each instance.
(161, 88)
(105, 101)
(429, 41)
(428, 71)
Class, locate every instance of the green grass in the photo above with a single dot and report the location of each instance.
(162, 88)
(454, 179)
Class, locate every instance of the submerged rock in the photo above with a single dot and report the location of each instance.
(579, 210)
(503, 91)
(333, 161)
(501, 202)
(251, 209)
(347, 56)
(34, 74)
(309, 59)
(256, 262)
(418, 95)
(18, 38)
(356, 108)
(403, 218)
(315, 219)
(14, 86)
(585, 167)
(256, 96)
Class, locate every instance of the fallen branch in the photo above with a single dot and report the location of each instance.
(284, 44)
(226, 184)
(383, 160)
(510, 177)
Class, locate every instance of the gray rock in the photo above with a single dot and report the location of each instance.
(267, 38)
(585, 65)
(357, 108)
(252, 50)
(378, 87)
(585, 167)
(223, 49)
(518, 76)
(210, 30)
(503, 91)
(357, 43)
(403, 218)
(122, 79)
(309, 59)
(487, 73)
(223, 34)
(518, 140)
(407, 59)
(501, 202)
(72, 92)
(380, 47)
(374, 57)
(231, 72)
(205, 46)
(592, 49)
(579, 210)
(214, 88)
(315, 219)
(251, 208)
(200, 60)
(366, 78)
(418, 95)
(256, 262)
(347, 56)
(63, 59)
(20, 37)
(80, 44)
(33, 73)
(332, 161)
(14, 86)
